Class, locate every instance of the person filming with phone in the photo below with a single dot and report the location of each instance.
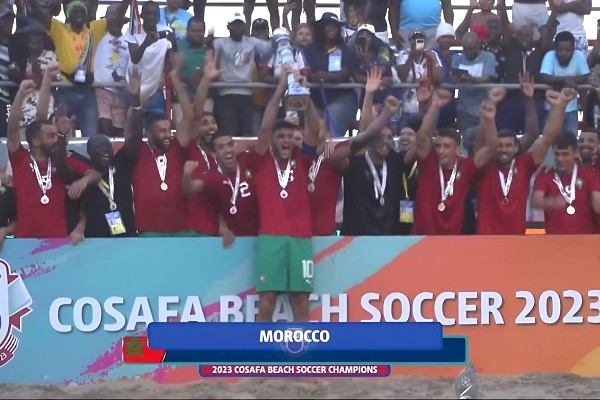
(416, 65)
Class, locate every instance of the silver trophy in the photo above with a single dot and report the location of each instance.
(297, 95)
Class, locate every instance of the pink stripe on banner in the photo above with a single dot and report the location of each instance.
(50, 244)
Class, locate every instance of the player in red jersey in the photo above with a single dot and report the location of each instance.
(444, 176)
(588, 145)
(503, 184)
(230, 186)
(40, 194)
(569, 195)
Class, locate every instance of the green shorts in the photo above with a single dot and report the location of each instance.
(284, 264)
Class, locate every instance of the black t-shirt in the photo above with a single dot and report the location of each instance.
(96, 204)
(515, 57)
(363, 214)
(377, 13)
(8, 206)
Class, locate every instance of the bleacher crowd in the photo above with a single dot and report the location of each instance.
(426, 160)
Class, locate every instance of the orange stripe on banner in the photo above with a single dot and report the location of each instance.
(535, 232)
(337, 246)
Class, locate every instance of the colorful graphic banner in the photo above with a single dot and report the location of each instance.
(524, 303)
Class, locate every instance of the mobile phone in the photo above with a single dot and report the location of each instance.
(420, 44)
(162, 34)
(459, 72)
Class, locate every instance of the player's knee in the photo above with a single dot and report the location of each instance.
(267, 300)
(299, 301)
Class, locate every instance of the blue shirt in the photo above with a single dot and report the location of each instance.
(469, 100)
(177, 21)
(576, 67)
(420, 14)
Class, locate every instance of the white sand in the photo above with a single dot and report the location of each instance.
(549, 386)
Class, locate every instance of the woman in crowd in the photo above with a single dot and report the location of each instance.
(476, 22)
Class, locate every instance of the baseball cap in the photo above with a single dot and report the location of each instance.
(444, 29)
(366, 27)
(329, 17)
(236, 17)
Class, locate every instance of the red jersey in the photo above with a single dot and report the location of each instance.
(244, 222)
(558, 221)
(158, 210)
(495, 215)
(428, 219)
(34, 219)
(200, 212)
(323, 200)
(278, 216)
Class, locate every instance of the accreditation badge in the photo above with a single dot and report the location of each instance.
(407, 211)
(115, 223)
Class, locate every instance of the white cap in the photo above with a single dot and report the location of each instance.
(366, 27)
(236, 17)
(444, 29)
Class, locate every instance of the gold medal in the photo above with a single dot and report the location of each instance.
(164, 186)
(570, 210)
(45, 200)
(441, 207)
(311, 187)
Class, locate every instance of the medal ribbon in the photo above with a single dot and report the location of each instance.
(506, 184)
(313, 171)
(161, 165)
(378, 186)
(447, 190)
(205, 157)
(569, 198)
(45, 182)
(234, 188)
(108, 188)
(284, 176)
(405, 179)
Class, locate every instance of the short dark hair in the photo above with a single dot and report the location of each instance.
(508, 133)
(566, 140)
(565, 36)
(196, 20)
(413, 121)
(151, 119)
(449, 133)
(149, 4)
(33, 130)
(219, 134)
(283, 124)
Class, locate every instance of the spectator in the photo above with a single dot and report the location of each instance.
(328, 60)
(175, 18)
(588, 145)
(193, 50)
(295, 7)
(236, 57)
(90, 5)
(472, 66)
(445, 39)
(408, 16)
(528, 12)
(495, 46)
(570, 18)
(272, 6)
(502, 206)
(569, 194)
(591, 112)
(478, 22)
(75, 44)
(415, 65)
(303, 36)
(110, 66)
(356, 15)
(566, 67)
(594, 56)
(445, 178)
(149, 51)
(371, 52)
(406, 143)
(7, 19)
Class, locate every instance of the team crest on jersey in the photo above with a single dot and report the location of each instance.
(293, 163)
(248, 174)
(14, 305)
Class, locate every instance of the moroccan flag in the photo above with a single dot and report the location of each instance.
(136, 350)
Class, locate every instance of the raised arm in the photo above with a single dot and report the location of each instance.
(266, 128)
(487, 125)
(558, 101)
(448, 11)
(313, 125)
(495, 95)
(394, 18)
(13, 137)
(532, 128)
(209, 74)
(134, 131)
(439, 99)
(466, 23)
(374, 81)
(579, 7)
(507, 33)
(184, 128)
(45, 92)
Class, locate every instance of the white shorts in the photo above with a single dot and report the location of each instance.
(529, 14)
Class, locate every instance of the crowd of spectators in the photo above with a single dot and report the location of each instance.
(425, 161)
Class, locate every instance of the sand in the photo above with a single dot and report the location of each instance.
(548, 386)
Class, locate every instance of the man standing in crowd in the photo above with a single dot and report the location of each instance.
(75, 46)
(440, 209)
(409, 16)
(570, 18)
(528, 12)
(588, 145)
(175, 18)
(503, 185)
(236, 57)
(149, 51)
(566, 67)
(570, 194)
(110, 66)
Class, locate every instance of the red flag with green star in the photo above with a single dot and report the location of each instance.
(136, 350)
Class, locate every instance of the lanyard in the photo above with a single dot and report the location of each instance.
(505, 184)
(378, 186)
(109, 189)
(405, 179)
(569, 197)
(314, 169)
(45, 182)
(447, 190)
(234, 188)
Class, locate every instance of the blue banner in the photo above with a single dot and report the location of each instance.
(252, 337)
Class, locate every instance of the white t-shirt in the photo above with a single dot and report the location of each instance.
(411, 105)
(152, 64)
(112, 54)
(571, 22)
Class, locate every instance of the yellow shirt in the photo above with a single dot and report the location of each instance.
(70, 45)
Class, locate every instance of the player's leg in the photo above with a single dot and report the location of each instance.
(301, 273)
(271, 274)
(273, 7)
